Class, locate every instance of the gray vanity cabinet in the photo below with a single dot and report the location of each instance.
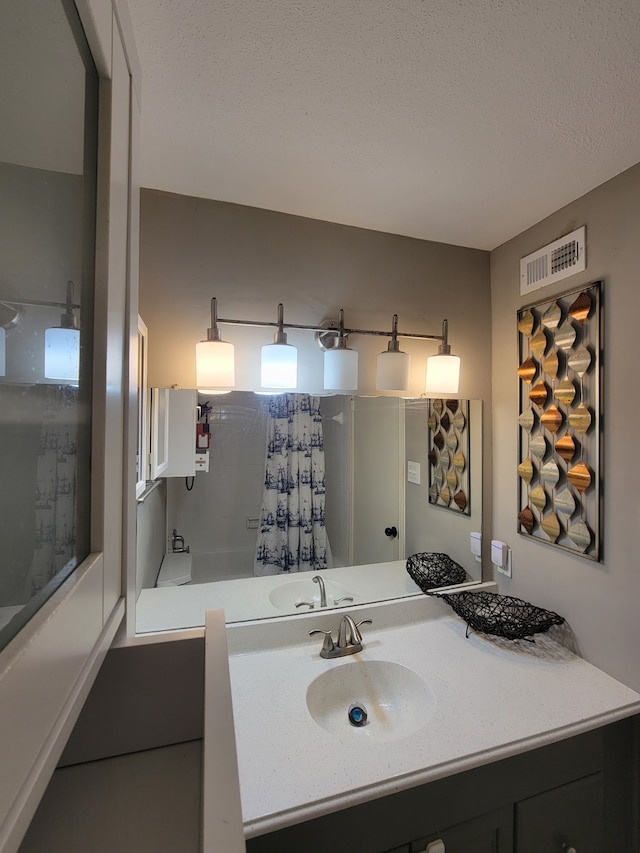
(570, 816)
(571, 794)
(489, 833)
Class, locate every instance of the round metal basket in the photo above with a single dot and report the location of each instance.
(431, 570)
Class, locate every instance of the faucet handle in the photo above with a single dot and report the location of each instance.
(327, 643)
(356, 635)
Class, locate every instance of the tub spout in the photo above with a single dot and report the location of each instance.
(177, 543)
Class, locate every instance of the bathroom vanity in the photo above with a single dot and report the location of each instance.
(561, 794)
(482, 743)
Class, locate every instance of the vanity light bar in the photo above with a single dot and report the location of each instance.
(331, 328)
(393, 364)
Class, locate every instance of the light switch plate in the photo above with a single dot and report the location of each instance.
(413, 472)
(506, 569)
(501, 557)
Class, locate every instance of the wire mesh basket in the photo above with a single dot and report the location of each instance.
(431, 570)
(501, 615)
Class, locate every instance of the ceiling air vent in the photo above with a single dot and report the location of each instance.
(560, 259)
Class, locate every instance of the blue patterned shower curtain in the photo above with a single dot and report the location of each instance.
(292, 535)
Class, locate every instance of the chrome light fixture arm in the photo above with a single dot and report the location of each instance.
(332, 329)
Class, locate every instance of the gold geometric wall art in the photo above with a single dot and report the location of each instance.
(448, 454)
(559, 378)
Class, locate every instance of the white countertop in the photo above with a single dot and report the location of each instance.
(494, 698)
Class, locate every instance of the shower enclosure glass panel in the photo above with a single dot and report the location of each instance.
(47, 236)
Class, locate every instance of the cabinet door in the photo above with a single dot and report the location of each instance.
(490, 833)
(159, 432)
(566, 817)
(181, 459)
(142, 425)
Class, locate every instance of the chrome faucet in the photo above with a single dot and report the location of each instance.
(323, 594)
(175, 539)
(349, 640)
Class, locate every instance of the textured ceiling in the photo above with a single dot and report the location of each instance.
(462, 121)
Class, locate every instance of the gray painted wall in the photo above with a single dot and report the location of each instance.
(151, 528)
(599, 600)
(192, 249)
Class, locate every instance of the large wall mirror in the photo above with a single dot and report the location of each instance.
(251, 260)
(385, 469)
(47, 237)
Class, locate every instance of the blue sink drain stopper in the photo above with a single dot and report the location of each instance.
(357, 714)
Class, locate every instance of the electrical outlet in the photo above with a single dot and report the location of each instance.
(202, 462)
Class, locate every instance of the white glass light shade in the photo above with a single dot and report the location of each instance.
(393, 371)
(215, 366)
(341, 369)
(443, 374)
(3, 352)
(279, 366)
(62, 354)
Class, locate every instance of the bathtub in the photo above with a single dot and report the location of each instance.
(222, 565)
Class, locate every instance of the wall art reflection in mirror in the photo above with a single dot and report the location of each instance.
(560, 387)
(449, 463)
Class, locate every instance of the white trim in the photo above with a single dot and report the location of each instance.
(221, 806)
(48, 670)
(138, 415)
(159, 459)
(96, 17)
(125, 28)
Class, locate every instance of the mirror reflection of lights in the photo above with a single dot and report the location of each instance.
(62, 343)
(62, 346)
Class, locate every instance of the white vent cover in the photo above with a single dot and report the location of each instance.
(560, 259)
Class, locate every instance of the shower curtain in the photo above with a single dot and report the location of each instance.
(292, 535)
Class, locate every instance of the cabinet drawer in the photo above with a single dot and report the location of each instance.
(489, 833)
(571, 815)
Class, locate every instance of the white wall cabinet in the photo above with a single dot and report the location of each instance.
(182, 433)
(173, 432)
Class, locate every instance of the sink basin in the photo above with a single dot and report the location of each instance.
(397, 700)
(287, 595)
